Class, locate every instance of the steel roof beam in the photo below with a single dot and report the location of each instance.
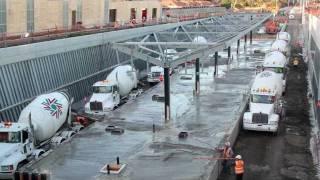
(145, 38)
(184, 30)
(159, 46)
(198, 33)
(202, 52)
(150, 50)
(233, 29)
(229, 42)
(134, 52)
(170, 44)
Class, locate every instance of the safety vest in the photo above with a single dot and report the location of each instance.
(239, 167)
(226, 152)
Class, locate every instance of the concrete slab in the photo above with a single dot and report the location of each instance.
(209, 119)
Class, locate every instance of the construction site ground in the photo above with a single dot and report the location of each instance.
(209, 119)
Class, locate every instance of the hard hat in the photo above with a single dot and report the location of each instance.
(238, 157)
(227, 143)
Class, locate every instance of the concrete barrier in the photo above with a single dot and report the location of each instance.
(231, 137)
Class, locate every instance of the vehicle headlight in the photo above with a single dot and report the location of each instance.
(7, 168)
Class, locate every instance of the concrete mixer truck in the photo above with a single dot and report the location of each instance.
(109, 93)
(282, 46)
(265, 108)
(284, 36)
(275, 61)
(43, 123)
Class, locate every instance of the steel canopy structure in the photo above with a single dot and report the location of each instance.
(188, 41)
(194, 40)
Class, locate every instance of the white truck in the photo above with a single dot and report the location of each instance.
(265, 106)
(284, 36)
(40, 126)
(282, 46)
(109, 93)
(156, 72)
(275, 61)
(155, 75)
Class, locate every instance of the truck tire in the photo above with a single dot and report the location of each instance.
(276, 133)
(21, 164)
(40, 154)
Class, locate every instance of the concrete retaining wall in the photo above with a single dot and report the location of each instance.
(313, 56)
(231, 137)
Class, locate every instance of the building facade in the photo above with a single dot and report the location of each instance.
(21, 16)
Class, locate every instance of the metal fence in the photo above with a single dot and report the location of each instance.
(75, 71)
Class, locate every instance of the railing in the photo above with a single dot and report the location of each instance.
(7, 40)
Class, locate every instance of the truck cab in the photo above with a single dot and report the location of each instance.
(109, 93)
(156, 72)
(155, 75)
(265, 105)
(15, 147)
(275, 61)
(105, 97)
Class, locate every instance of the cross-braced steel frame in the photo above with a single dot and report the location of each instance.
(195, 39)
(182, 42)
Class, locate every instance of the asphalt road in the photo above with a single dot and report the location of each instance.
(285, 156)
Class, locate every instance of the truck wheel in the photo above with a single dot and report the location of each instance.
(21, 164)
(275, 133)
(40, 154)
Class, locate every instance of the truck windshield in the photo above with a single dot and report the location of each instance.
(156, 74)
(102, 89)
(10, 137)
(265, 99)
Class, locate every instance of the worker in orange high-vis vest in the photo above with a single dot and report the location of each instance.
(227, 155)
(239, 167)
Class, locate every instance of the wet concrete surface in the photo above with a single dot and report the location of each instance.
(207, 118)
(287, 155)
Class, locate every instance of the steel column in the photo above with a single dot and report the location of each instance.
(229, 55)
(148, 67)
(245, 40)
(215, 63)
(197, 85)
(238, 45)
(166, 94)
(185, 68)
(251, 18)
